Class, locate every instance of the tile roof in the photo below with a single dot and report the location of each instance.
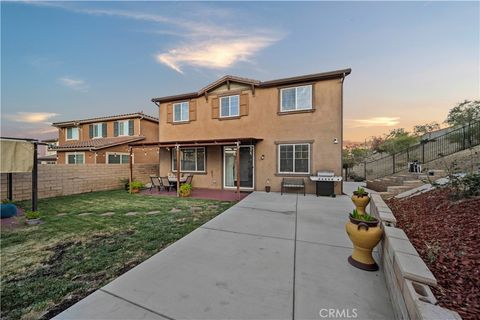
(106, 118)
(96, 144)
(256, 83)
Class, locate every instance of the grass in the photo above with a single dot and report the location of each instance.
(48, 267)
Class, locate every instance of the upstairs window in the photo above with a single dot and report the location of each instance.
(72, 133)
(296, 98)
(123, 128)
(98, 130)
(180, 111)
(229, 106)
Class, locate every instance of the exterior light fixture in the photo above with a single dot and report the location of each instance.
(262, 157)
(335, 141)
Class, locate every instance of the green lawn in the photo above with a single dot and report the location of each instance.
(47, 268)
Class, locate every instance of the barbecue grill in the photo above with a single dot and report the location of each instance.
(325, 183)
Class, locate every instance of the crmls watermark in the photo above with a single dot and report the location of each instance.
(338, 313)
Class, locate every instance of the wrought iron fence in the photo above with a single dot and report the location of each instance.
(425, 151)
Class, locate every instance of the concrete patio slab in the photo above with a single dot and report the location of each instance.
(255, 221)
(99, 304)
(268, 257)
(325, 280)
(214, 275)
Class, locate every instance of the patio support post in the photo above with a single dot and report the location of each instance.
(10, 186)
(177, 150)
(130, 162)
(238, 169)
(35, 178)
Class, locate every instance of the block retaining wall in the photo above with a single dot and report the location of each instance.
(65, 179)
(407, 277)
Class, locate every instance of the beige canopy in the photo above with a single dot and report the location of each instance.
(16, 156)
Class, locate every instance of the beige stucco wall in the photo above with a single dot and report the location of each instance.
(264, 122)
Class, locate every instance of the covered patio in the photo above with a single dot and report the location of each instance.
(176, 147)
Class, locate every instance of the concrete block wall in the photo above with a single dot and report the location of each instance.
(64, 179)
(407, 277)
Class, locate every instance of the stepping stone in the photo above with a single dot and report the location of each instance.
(85, 214)
(195, 209)
(108, 214)
(131, 213)
(212, 207)
(61, 214)
(175, 210)
(152, 212)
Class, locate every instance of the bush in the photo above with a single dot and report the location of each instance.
(136, 185)
(185, 188)
(32, 215)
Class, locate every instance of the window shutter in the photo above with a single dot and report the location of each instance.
(90, 131)
(192, 110)
(169, 113)
(115, 129)
(244, 104)
(131, 129)
(215, 108)
(104, 130)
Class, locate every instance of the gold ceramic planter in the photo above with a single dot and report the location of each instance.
(360, 203)
(365, 235)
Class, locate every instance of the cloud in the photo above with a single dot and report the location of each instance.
(201, 44)
(217, 54)
(31, 117)
(376, 122)
(75, 84)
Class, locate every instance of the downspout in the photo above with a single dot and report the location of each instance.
(158, 105)
(341, 132)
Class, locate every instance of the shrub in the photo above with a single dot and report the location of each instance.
(363, 217)
(185, 188)
(136, 185)
(32, 215)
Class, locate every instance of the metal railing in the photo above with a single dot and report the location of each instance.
(427, 150)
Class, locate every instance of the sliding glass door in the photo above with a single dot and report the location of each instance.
(246, 167)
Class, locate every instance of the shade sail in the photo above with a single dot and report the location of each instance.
(16, 156)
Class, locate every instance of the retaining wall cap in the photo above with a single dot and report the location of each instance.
(427, 311)
(398, 233)
(412, 267)
(387, 216)
(401, 245)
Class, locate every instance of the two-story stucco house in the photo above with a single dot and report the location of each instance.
(105, 139)
(288, 127)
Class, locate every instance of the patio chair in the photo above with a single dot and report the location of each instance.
(155, 183)
(166, 183)
(189, 179)
(292, 183)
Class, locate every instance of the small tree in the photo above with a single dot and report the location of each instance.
(422, 129)
(464, 113)
(397, 140)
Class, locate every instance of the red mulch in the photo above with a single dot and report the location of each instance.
(453, 227)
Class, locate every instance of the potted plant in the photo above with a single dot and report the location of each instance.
(185, 190)
(33, 217)
(360, 199)
(7, 209)
(135, 186)
(267, 185)
(365, 233)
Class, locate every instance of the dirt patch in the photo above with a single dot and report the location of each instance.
(446, 234)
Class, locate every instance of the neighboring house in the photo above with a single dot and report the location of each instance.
(106, 139)
(50, 155)
(288, 127)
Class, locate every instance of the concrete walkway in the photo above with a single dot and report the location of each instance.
(268, 257)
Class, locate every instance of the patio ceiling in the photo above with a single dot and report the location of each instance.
(197, 143)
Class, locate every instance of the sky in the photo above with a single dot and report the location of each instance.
(411, 61)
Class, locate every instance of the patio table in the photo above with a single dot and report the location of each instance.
(174, 179)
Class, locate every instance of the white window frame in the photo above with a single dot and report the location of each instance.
(296, 100)
(174, 169)
(99, 127)
(182, 118)
(294, 144)
(66, 133)
(126, 128)
(229, 106)
(74, 153)
(120, 154)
